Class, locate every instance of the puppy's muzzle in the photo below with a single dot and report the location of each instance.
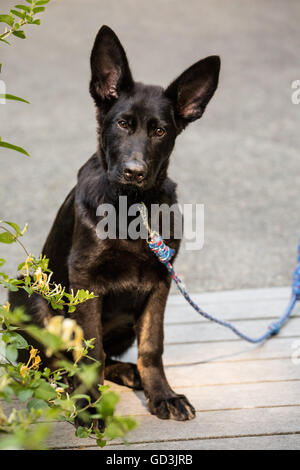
(135, 172)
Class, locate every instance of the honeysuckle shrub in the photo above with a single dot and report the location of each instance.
(31, 394)
(13, 22)
(34, 397)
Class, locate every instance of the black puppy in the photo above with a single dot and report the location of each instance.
(137, 126)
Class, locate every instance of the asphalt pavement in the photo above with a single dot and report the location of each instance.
(241, 160)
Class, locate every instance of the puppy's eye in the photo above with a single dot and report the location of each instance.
(123, 124)
(159, 132)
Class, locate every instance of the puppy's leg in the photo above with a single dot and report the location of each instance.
(88, 316)
(123, 373)
(162, 401)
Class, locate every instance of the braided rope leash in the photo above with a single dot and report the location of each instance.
(165, 253)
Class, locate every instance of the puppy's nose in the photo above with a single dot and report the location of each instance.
(135, 171)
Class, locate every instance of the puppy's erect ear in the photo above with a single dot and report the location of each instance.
(193, 89)
(109, 65)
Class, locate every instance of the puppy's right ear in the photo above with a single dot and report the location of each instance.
(110, 70)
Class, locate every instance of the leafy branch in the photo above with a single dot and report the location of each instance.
(26, 15)
(20, 16)
(36, 275)
(47, 395)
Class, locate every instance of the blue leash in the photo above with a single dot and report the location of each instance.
(165, 253)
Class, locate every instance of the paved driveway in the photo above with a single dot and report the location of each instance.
(241, 160)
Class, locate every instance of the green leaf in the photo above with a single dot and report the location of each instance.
(47, 372)
(101, 443)
(11, 353)
(20, 266)
(19, 34)
(29, 290)
(7, 393)
(119, 426)
(7, 96)
(71, 368)
(6, 237)
(38, 9)
(35, 438)
(107, 404)
(36, 21)
(2, 261)
(19, 14)
(14, 226)
(11, 442)
(23, 7)
(88, 373)
(77, 396)
(25, 394)
(56, 305)
(7, 19)
(16, 316)
(17, 340)
(42, 2)
(82, 432)
(45, 337)
(10, 286)
(13, 147)
(36, 404)
(45, 392)
(5, 337)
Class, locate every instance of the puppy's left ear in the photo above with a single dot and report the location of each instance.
(193, 89)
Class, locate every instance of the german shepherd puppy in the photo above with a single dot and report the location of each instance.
(137, 128)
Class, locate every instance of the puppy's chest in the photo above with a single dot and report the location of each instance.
(122, 310)
(124, 265)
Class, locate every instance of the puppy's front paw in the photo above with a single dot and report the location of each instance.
(177, 407)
